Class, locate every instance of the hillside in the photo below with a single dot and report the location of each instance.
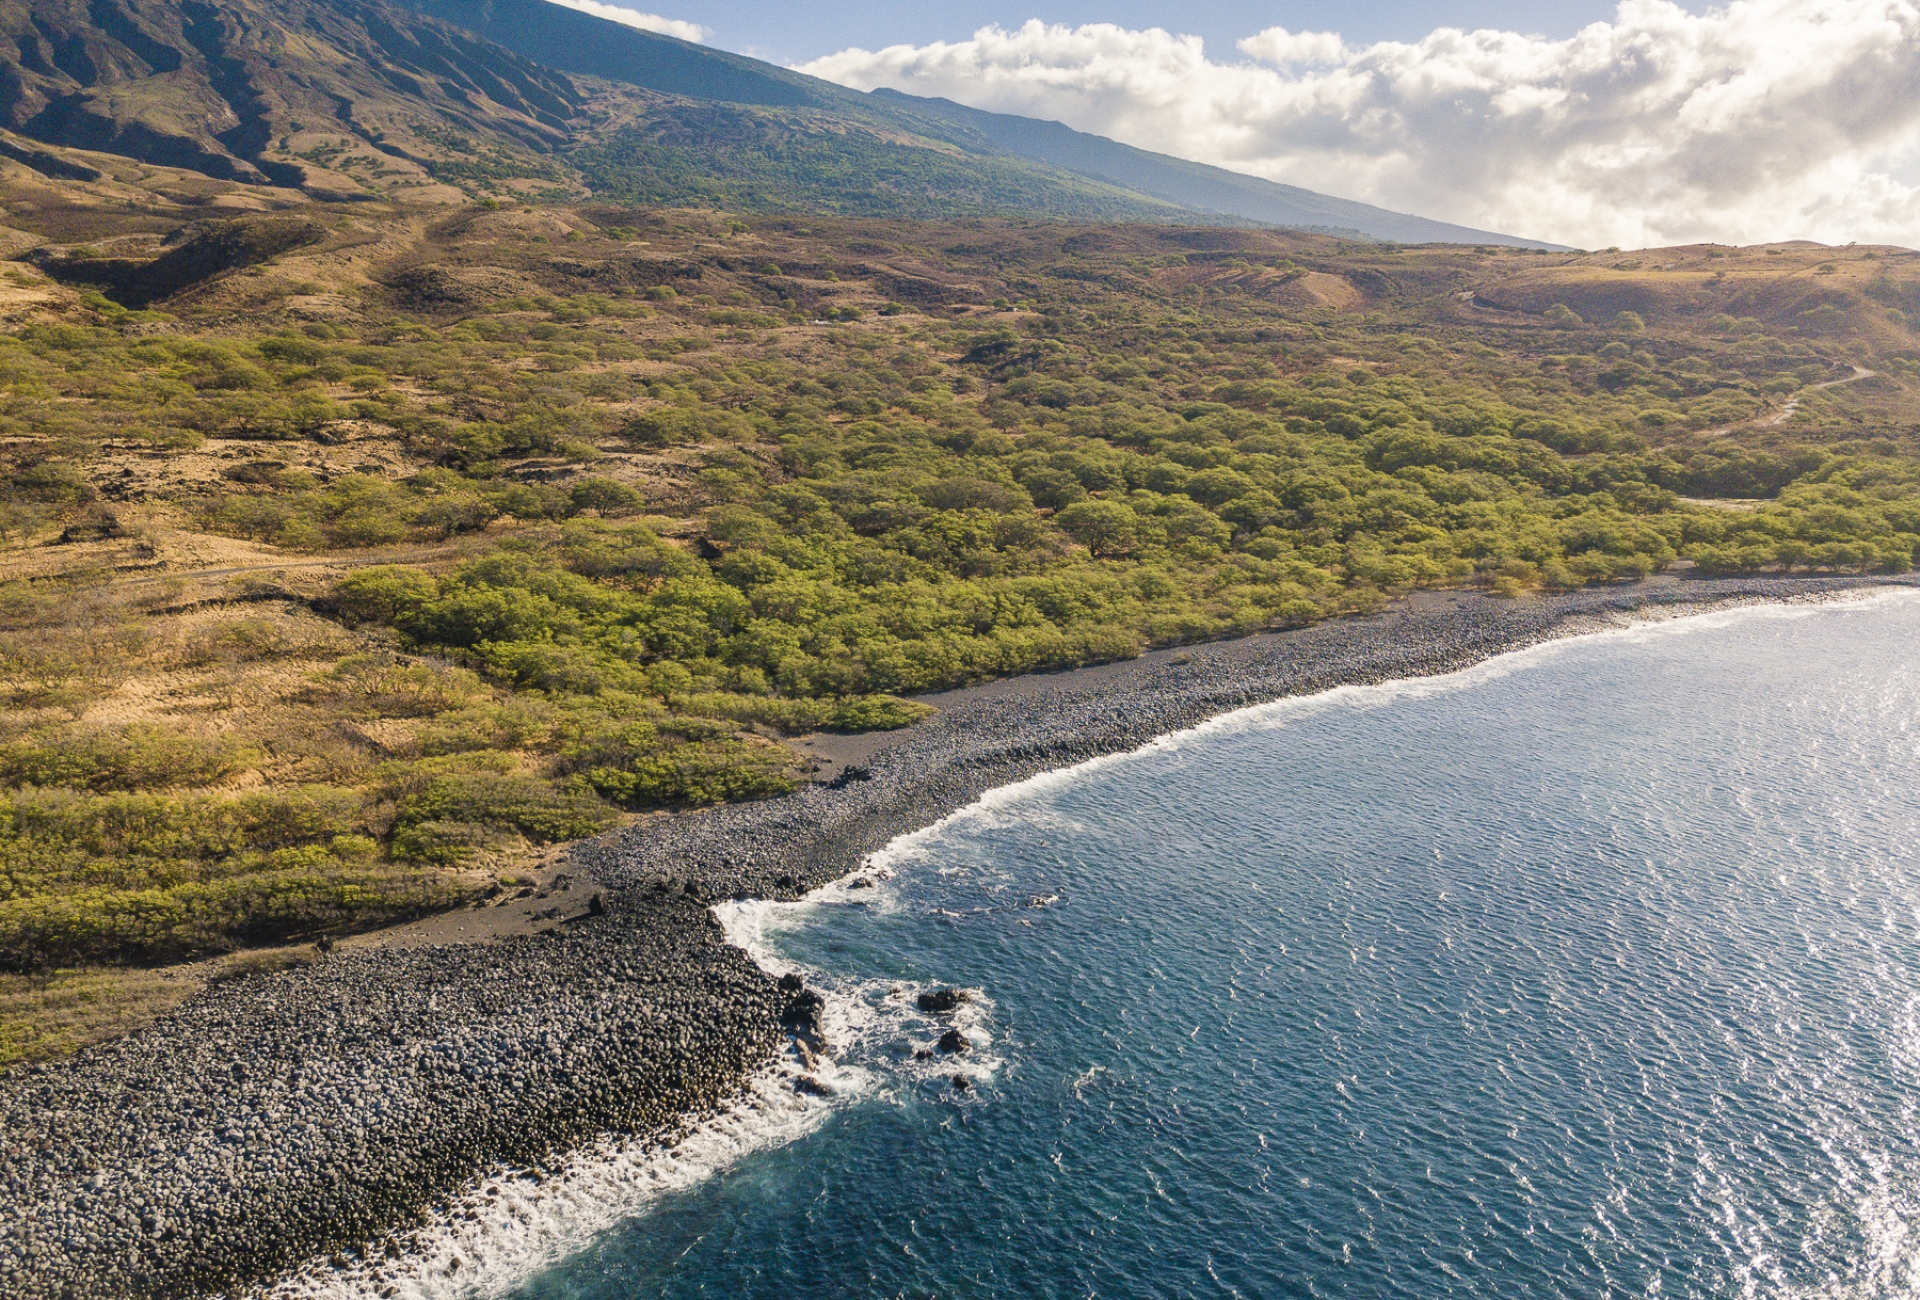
(442, 100)
(421, 453)
(802, 117)
(338, 98)
(1199, 190)
(361, 555)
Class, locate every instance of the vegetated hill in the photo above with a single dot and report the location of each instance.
(359, 554)
(785, 128)
(1859, 294)
(656, 149)
(332, 96)
(440, 100)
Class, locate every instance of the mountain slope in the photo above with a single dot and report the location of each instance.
(444, 100)
(357, 99)
(588, 46)
(1192, 185)
(342, 98)
(753, 158)
(582, 44)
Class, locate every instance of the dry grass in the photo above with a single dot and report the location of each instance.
(52, 1014)
(45, 1017)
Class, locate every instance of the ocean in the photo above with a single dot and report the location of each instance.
(1591, 971)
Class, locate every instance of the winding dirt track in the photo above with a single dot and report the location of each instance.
(1785, 413)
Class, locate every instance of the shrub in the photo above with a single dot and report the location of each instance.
(138, 757)
(1106, 528)
(463, 810)
(383, 593)
(703, 773)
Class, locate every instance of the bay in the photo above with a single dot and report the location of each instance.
(1590, 971)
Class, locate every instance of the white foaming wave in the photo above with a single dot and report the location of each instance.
(520, 1226)
(868, 1019)
(748, 923)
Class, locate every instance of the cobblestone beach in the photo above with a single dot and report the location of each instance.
(319, 1111)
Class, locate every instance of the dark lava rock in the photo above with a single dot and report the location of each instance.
(954, 1041)
(849, 776)
(804, 1010)
(942, 999)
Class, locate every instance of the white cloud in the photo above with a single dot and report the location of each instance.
(1278, 45)
(1763, 120)
(634, 18)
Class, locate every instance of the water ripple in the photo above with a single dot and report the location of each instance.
(1588, 972)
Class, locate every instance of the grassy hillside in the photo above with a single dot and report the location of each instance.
(339, 98)
(724, 129)
(360, 556)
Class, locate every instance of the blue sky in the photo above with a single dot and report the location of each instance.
(786, 32)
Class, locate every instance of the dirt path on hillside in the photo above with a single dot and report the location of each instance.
(1786, 412)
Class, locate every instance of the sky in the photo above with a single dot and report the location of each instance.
(1639, 123)
(787, 33)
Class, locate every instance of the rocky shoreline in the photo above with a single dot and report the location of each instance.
(321, 1110)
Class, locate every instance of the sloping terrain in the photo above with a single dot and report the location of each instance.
(1194, 187)
(403, 475)
(822, 130)
(361, 554)
(337, 97)
(439, 100)
(1797, 285)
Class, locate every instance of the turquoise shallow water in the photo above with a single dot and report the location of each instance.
(1593, 971)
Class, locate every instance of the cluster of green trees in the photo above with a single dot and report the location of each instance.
(686, 521)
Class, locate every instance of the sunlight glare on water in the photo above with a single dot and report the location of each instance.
(1591, 971)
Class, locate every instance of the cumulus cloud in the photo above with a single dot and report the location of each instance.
(1763, 120)
(1278, 45)
(634, 18)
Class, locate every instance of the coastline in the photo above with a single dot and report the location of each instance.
(287, 1117)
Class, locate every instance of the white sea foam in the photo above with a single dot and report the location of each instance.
(876, 1023)
(519, 1227)
(507, 1227)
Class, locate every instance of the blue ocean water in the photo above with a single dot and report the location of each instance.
(1593, 971)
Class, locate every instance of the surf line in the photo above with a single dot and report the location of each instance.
(1668, 620)
(513, 1223)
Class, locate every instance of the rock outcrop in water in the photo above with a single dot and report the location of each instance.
(938, 1000)
(287, 1116)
